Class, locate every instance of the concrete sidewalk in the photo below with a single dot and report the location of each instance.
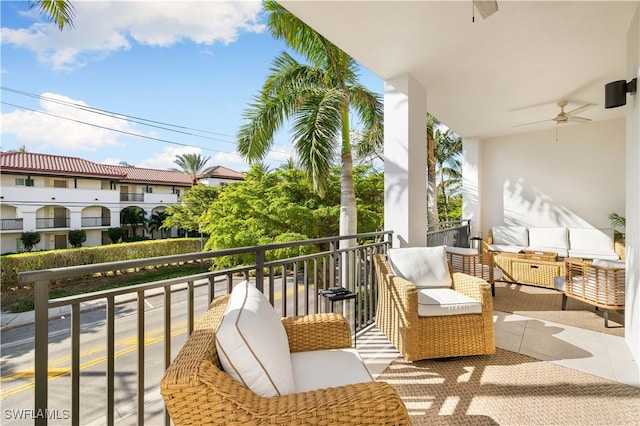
(10, 320)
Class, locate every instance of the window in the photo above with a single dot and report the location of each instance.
(19, 181)
(57, 183)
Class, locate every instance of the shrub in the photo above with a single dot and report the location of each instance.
(30, 239)
(12, 265)
(115, 234)
(77, 237)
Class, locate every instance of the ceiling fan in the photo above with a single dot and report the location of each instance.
(565, 117)
(485, 7)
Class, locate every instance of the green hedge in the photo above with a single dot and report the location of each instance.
(12, 264)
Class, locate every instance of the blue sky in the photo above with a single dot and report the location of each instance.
(192, 65)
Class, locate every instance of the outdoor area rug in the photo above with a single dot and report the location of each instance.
(509, 389)
(546, 304)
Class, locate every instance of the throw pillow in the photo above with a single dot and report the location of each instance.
(252, 343)
(423, 266)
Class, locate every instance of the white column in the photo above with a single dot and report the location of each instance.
(405, 161)
(632, 229)
(471, 185)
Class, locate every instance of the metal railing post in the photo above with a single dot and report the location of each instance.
(260, 269)
(41, 370)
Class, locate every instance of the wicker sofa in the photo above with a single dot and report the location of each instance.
(197, 391)
(580, 243)
(535, 255)
(433, 336)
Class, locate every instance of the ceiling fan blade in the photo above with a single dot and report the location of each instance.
(533, 122)
(575, 119)
(580, 109)
(486, 7)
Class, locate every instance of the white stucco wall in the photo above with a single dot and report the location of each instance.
(533, 180)
(632, 303)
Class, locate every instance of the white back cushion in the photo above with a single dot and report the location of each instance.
(252, 343)
(510, 235)
(423, 266)
(549, 237)
(591, 239)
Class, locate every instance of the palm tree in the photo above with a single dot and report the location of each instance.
(59, 11)
(317, 98)
(447, 153)
(432, 183)
(156, 220)
(191, 164)
(133, 217)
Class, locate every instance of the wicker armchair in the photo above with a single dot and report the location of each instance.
(598, 283)
(197, 392)
(419, 337)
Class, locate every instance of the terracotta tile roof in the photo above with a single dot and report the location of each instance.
(55, 164)
(140, 174)
(26, 162)
(221, 172)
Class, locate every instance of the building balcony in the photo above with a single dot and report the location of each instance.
(95, 222)
(11, 224)
(101, 358)
(52, 222)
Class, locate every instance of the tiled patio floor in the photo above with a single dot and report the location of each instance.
(591, 352)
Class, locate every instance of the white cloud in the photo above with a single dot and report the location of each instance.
(165, 159)
(101, 28)
(61, 125)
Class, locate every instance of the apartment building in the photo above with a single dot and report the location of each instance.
(52, 195)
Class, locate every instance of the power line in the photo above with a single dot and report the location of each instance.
(119, 116)
(125, 117)
(125, 132)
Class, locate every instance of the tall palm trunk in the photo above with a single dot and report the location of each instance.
(348, 210)
(432, 184)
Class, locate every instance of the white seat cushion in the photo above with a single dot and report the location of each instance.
(328, 368)
(423, 266)
(506, 248)
(461, 250)
(445, 301)
(510, 236)
(252, 343)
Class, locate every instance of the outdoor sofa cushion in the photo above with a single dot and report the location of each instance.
(511, 239)
(550, 240)
(328, 368)
(592, 243)
(445, 301)
(425, 267)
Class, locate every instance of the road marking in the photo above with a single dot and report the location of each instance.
(130, 344)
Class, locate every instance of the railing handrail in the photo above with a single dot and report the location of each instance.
(80, 270)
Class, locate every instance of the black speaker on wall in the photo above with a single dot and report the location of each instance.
(615, 93)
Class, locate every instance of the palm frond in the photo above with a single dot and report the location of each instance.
(59, 11)
(369, 109)
(262, 119)
(316, 134)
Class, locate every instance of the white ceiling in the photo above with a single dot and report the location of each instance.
(484, 78)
